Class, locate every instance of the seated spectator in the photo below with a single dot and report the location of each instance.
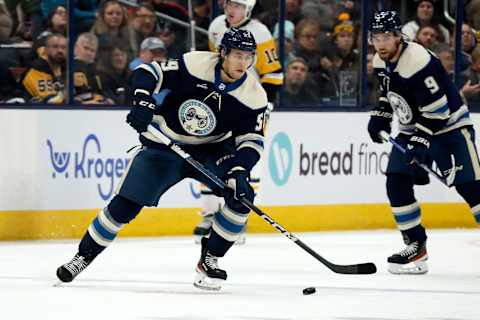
(145, 22)
(469, 41)
(45, 80)
(112, 26)
(471, 88)
(342, 52)
(446, 56)
(115, 75)
(289, 38)
(87, 84)
(57, 21)
(151, 49)
(426, 36)
(425, 15)
(298, 89)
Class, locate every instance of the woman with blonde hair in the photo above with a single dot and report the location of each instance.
(112, 26)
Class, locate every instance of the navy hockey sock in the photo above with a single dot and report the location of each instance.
(471, 193)
(217, 245)
(405, 207)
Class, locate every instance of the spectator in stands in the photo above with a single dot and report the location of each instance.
(145, 22)
(292, 13)
(427, 36)
(151, 49)
(45, 80)
(112, 26)
(471, 88)
(115, 75)
(343, 54)
(445, 54)
(299, 91)
(87, 83)
(6, 23)
(202, 16)
(306, 47)
(425, 15)
(56, 23)
(289, 38)
(469, 41)
(29, 24)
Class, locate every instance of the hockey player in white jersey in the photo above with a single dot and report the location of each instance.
(237, 13)
(434, 126)
(215, 108)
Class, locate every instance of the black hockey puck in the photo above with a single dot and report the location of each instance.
(309, 290)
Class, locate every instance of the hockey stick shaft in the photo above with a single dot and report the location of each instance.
(364, 268)
(385, 136)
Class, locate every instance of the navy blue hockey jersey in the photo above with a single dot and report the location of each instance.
(195, 107)
(420, 92)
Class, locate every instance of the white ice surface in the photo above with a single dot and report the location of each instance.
(151, 279)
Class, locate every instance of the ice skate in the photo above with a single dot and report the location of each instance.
(68, 271)
(411, 260)
(202, 229)
(209, 275)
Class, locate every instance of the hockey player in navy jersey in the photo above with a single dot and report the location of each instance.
(434, 125)
(211, 105)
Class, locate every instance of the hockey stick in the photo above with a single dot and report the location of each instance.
(448, 181)
(363, 268)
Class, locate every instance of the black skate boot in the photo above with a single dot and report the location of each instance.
(202, 229)
(68, 271)
(412, 259)
(209, 275)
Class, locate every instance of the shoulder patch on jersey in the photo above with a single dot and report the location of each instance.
(201, 64)
(259, 30)
(251, 93)
(413, 59)
(377, 62)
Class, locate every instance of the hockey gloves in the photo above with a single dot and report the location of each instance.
(141, 114)
(417, 148)
(379, 121)
(238, 180)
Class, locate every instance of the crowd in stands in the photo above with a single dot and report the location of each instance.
(322, 46)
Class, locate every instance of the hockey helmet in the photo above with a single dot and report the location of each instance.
(249, 4)
(385, 21)
(238, 39)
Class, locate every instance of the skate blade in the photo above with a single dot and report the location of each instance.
(205, 283)
(416, 267)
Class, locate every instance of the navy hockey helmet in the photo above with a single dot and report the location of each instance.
(238, 39)
(385, 21)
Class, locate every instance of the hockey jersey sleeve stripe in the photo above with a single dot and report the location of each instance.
(423, 128)
(250, 144)
(441, 114)
(149, 69)
(272, 78)
(383, 99)
(159, 72)
(437, 104)
(248, 137)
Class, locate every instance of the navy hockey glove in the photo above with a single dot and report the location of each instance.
(141, 113)
(238, 179)
(379, 121)
(417, 147)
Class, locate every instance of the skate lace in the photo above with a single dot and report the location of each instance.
(76, 265)
(410, 249)
(211, 261)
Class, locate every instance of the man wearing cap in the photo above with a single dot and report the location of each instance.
(298, 91)
(151, 49)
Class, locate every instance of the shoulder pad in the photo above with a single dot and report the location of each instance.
(413, 59)
(259, 30)
(251, 93)
(201, 64)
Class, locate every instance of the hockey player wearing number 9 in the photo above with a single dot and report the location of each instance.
(434, 125)
(211, 105)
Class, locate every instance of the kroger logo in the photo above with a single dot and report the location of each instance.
(280, 160)
(88, 163)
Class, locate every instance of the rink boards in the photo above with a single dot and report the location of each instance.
(320, 172)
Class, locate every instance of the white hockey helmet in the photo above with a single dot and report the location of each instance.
(249, 4)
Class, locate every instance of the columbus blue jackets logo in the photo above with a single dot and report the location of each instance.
(401, 107)
(196, 118)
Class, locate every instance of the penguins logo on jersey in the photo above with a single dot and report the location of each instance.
(196, 118)
(401, 107)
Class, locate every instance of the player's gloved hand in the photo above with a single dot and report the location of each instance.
(379, 121)
(238, 179)
(417, 148)
(141, 113)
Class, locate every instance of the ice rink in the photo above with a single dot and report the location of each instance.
(151, 279)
